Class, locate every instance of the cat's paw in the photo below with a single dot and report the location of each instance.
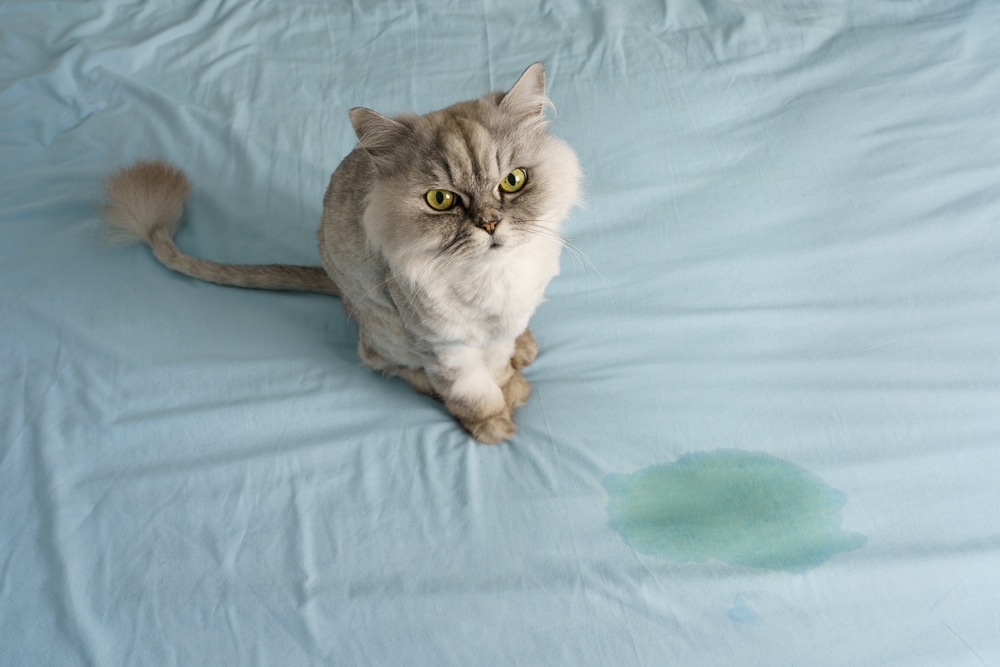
(417, 378)
(516, 391)
(493, 429)
(525, 350)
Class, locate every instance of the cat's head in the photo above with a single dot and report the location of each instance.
(473, 180)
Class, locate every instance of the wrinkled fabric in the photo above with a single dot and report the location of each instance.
(788, 246)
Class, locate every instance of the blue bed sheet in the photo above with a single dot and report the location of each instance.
(765, 427)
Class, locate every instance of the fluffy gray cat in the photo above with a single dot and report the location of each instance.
(439, 233)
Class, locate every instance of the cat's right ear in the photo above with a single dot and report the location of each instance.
(377, 134)
(526, 98)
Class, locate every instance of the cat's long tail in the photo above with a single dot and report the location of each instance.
(145, 202)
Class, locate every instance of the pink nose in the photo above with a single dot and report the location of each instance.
(489, 225)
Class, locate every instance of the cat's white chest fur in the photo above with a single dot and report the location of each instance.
(488, 298)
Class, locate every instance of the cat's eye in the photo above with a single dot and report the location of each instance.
(514, 181)
(440, 200)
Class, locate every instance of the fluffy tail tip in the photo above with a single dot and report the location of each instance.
(143, 198)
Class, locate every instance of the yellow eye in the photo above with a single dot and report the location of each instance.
(440, 200)
(514, 181)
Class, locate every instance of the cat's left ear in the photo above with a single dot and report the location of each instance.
(527, 98)
(377, 134)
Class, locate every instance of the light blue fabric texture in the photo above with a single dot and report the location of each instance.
(789, 246)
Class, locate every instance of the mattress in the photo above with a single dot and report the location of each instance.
(765, 426)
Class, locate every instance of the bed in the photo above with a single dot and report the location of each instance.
(765, 427)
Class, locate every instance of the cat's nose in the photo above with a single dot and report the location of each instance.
(489, 225)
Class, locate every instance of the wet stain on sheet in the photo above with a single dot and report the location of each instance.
(741, 508)
(741, 612)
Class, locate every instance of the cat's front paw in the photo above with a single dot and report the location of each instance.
(516, 391)
(525, 350)
(492, 430)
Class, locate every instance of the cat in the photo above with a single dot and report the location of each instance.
(439, 233)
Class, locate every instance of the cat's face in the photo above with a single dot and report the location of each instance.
(474, 180)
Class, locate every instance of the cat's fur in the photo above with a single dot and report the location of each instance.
(442, 298)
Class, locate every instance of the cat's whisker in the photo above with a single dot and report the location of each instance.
(377, 286)
(411, 295)
(573, 249)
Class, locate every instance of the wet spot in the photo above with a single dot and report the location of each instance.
(741, 508)
(741, 613)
